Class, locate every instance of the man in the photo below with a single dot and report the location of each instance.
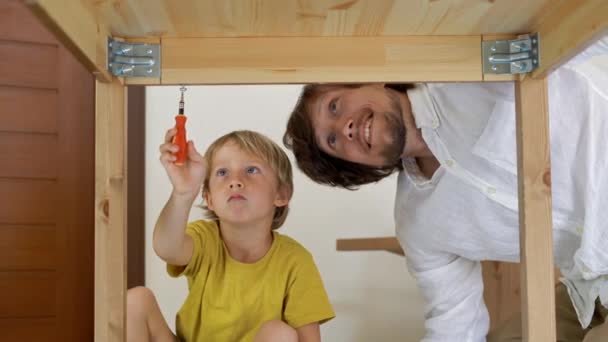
(457, 190)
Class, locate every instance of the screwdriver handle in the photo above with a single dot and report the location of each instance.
(180, 139)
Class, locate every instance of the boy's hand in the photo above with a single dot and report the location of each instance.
(186, 179)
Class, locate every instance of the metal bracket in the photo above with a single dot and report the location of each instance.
(133, 59)
(514, 56)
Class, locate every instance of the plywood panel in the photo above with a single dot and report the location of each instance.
(28, 64)
(28, 247)
(27, 294)
(28, 329)
(246, 18)
(28, 201)
(28, 110)
(28, 155)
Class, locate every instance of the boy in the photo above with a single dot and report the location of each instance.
(246, 282)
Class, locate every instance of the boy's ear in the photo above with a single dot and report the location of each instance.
(379, 85)
(283, 197)
(208, 200)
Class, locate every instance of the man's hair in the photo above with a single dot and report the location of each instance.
(264, 148)
(315, 163)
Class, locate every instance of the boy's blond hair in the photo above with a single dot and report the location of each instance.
(264, 148)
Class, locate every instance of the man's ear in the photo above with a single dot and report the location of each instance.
(378, 85)
(283, 197)
(208, 200)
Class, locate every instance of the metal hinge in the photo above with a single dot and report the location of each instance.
(133, 59)
(514, 56)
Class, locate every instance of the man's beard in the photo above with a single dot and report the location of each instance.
(394, 122)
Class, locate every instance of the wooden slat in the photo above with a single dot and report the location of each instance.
(568, 29)
(302, 60)
(534, 178)
(28, 155)
(27, 247)
(27, 294)
(76, 26)
(28, 329)
(28, 110)
(27, 201)
(110, 219)
(28, 64)
(389, 244)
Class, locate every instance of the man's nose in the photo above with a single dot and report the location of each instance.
(348, 129)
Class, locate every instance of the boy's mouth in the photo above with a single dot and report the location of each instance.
(236, 197)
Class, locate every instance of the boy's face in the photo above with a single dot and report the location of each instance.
(243, 189)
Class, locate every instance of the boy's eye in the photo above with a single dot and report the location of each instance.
(221, 172)
(331, 140)
(252, 170)
(333, 107)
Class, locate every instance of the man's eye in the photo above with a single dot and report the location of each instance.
(221, 172)
(331, 140)
(333, 107)
(252, 170)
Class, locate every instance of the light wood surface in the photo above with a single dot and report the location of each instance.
(313, 18)
(111, 212)
(535, 224)
(568, 28)
(329, 59)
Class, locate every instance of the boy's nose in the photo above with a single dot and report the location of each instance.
(348, 129)
(236, 184)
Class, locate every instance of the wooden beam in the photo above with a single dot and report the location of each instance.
(77, 28)
(389, 244)
(320, 59)
(569, 28)
(536, 242)
(111, 212)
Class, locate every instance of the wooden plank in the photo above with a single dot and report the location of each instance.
(330, 59)
(534, 179)
(26, 201)
(28, 247)
(28, 64)
(389, 244)
(568, 29)
(28, 110)
(110, 218)
(27, 294)
(76, 26)
(297, 18)
(28, 329)
(28, 155)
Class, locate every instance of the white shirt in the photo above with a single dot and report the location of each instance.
(468, 210)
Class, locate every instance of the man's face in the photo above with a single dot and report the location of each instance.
(363, 125)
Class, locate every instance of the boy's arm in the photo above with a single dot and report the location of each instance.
(170, 241)
(309, 333)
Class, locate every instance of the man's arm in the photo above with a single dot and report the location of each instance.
(309, 333)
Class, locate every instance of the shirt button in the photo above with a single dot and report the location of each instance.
(435, 123)
(580, 230)
(491, 190)
(449, 162)
(585, 269)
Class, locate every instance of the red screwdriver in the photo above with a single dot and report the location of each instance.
(180, 137)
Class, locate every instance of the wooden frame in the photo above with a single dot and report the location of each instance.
(564, 31)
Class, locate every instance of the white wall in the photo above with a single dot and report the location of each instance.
(374, 297)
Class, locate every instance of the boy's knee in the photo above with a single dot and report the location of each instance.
(276, 331)
(139, 300)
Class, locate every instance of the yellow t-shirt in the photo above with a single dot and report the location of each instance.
(229, 300)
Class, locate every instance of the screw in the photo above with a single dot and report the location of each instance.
(149, 51)
(149, 71)
(494, 67)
